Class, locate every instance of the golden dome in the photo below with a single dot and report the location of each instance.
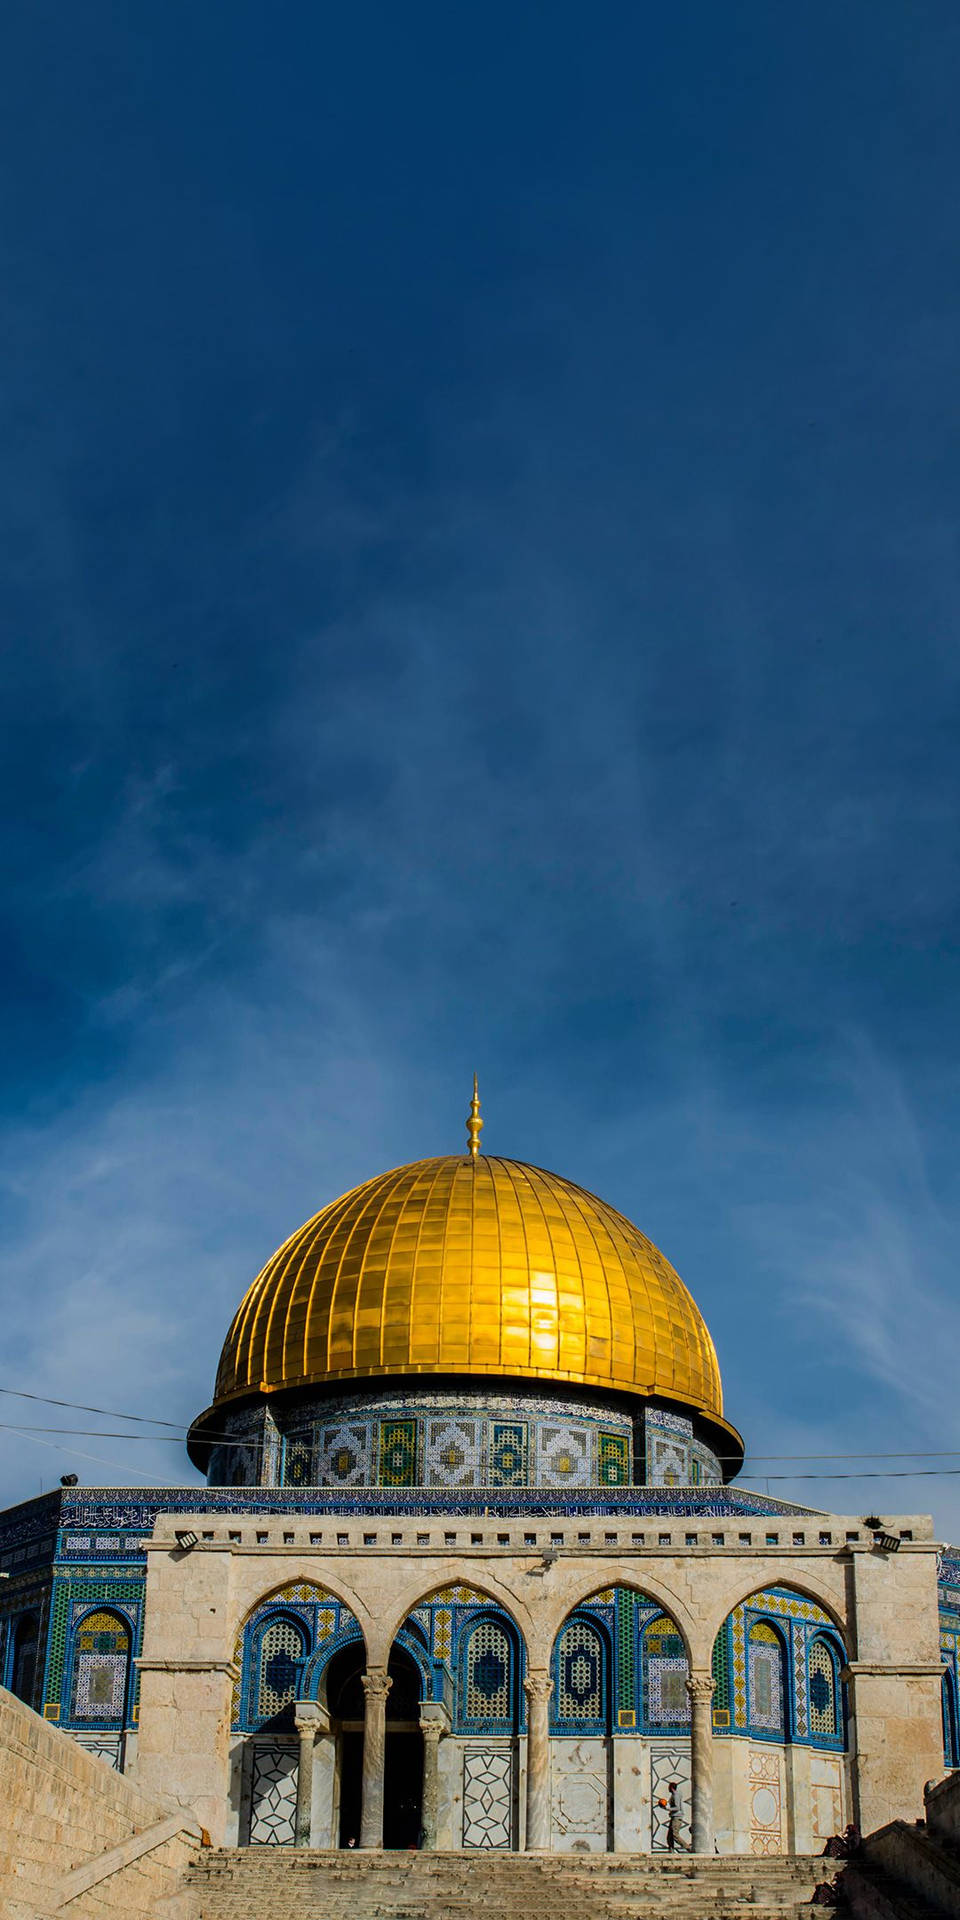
(472, 1266)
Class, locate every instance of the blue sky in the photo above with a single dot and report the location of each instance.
(480, 589)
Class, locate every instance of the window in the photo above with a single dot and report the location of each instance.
(283, 1644)
(580, 1677)
(951, 1748)
(666, 1702)
(489, 1673)
(765, 1678)
(101, 1668)
(824, 1691)
(23, 1665)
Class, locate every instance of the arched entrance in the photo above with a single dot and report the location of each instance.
(345, 1703)
(403, 1767)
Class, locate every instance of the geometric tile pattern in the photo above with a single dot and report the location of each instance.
(270, 1652)
(798, 1634)
(282, 1647)
(452, 1454)
(101, 1665)
(106, 1746)
(508, 1453)
(444, 1441)
(273, 1800)
(823, 1689)
(765, 1675)
(579, 1680)
(487, 1799)
(668, 1703)
(344, 1455)
(664, 1666)
(71, 1600)
(489, 1691)
(398, 1453)
(613, 1460)
(669, 1783)
(766, 1799)
(563, 1456)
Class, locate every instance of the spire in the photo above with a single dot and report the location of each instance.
(474, 1123)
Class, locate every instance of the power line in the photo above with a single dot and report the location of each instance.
(919, 1473)
(76, 1406)
(751, 1470)
(74, 1453)
(935, 1453)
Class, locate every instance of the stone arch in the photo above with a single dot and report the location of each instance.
(783, 1610)
(803, 1585)
(251, 1593)
(589, 1700)
(99, 1673)
(579, 1587)
(338, 1628)
(489, 1587)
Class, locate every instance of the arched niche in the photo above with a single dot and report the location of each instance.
(282, 1650)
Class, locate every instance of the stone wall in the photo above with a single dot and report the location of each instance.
(62, 1809)
(942, 1808)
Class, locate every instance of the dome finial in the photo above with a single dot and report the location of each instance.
(474, 1123)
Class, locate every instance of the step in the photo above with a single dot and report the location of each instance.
(285, 1883)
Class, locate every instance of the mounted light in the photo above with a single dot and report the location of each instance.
(186, 1540)
(887, 1542)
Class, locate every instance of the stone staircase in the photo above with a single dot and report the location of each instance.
(281, 1883)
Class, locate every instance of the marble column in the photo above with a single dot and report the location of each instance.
(700, 1689)
(431, 1781)
(538, 1687)
(376, 1684)
(434, 1723)
(308, 1719)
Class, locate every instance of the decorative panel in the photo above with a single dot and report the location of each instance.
(452, 1454)
(273, 1796)
(345, 1455)
(487, 1799)
(822, 1672)
(563, 1456)
(613, 1460)
(105, 1746)
(298, 1459)
(489, 1689)
(579, 1795)
(398, 1453)
(508, 1453)
(101, 1664)
(666, 1702)
(669, 1783)
(765, 1678)
(765, 1786)
(282, 1648)
(579, 1682)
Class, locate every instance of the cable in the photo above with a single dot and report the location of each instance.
(180, 1434)
(920, 1473)
(98, 1433)
(935, 1453)
(76, 1406)
(73, 1453)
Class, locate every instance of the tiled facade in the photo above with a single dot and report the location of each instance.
(461, 1439)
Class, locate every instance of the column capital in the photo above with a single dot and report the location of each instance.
(700, 1687)
(310, 1717)
(538, 1686)
(376, 1683)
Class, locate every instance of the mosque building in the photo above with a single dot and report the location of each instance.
(472, 1569)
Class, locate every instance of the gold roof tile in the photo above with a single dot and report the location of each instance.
(471, 1265)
